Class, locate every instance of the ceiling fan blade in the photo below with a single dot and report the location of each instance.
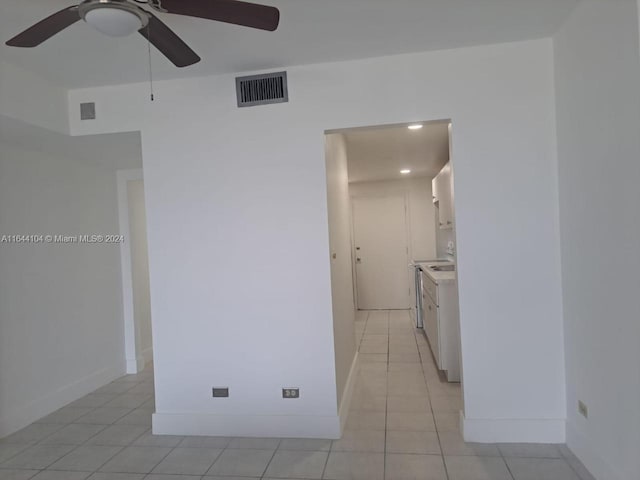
(169, 44)
(228, 11)
(45, 29)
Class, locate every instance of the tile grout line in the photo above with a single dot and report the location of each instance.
(26, 447)
(75, 446)
(208, 468)
(122, 448)
(386, 398)
(364, 330)
(326, 462)
(171, 449)
(433, 414)
(566, 459)
(264, 472)
(85, 443)
(100, 466)
(506, 463)
(222, 450)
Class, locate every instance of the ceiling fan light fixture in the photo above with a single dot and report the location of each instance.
(119, 18)
(112, 17)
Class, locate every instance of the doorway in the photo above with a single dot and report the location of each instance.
(391, 209)
(381, 252)
(390, 193)
(135, 271)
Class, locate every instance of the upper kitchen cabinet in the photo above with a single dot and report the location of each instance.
(442, 195)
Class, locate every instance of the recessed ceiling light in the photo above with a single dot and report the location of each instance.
(406, 171)
(415, 127)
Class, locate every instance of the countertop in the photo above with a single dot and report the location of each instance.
(437, 277)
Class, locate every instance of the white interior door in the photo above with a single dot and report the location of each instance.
(381, 255)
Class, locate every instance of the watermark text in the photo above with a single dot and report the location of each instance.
(61, 238)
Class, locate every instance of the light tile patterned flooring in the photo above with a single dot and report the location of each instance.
(403, 425)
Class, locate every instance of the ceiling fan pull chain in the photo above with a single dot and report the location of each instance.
(149, 54)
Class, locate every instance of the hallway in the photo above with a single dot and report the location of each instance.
(403, 408)
(403, 425)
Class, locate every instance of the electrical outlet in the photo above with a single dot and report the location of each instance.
(220, 392)
(582, 409)
(290, 393)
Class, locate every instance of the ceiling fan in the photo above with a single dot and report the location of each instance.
(119, 18)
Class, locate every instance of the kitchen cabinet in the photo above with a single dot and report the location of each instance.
(435, 188)
(441, 324)
(443, 196)
(431, 327)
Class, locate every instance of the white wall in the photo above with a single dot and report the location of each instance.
(140, 269)
(339, 215)
(61, 332)
(41, 103)
(598, 111)
(236, 205)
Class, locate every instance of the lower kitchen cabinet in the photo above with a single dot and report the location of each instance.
(431, 326)
(441, 325)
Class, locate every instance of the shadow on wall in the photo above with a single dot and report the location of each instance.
(61, 311)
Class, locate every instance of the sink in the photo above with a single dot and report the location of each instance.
(443, 268)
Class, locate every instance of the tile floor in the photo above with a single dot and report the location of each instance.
(403, 425)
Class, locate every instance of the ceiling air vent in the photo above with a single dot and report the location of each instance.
(262, 89)
(88, 111)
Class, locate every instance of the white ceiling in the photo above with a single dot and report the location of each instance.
(111, 151)
(311, 31)
(380, 153)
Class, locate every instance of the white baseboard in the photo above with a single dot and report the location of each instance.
(136, 365)
(590, 457)
(347, 394)
(147, 356)
(18, 418)
(140, 363)
(278, 426)
(513, 430)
